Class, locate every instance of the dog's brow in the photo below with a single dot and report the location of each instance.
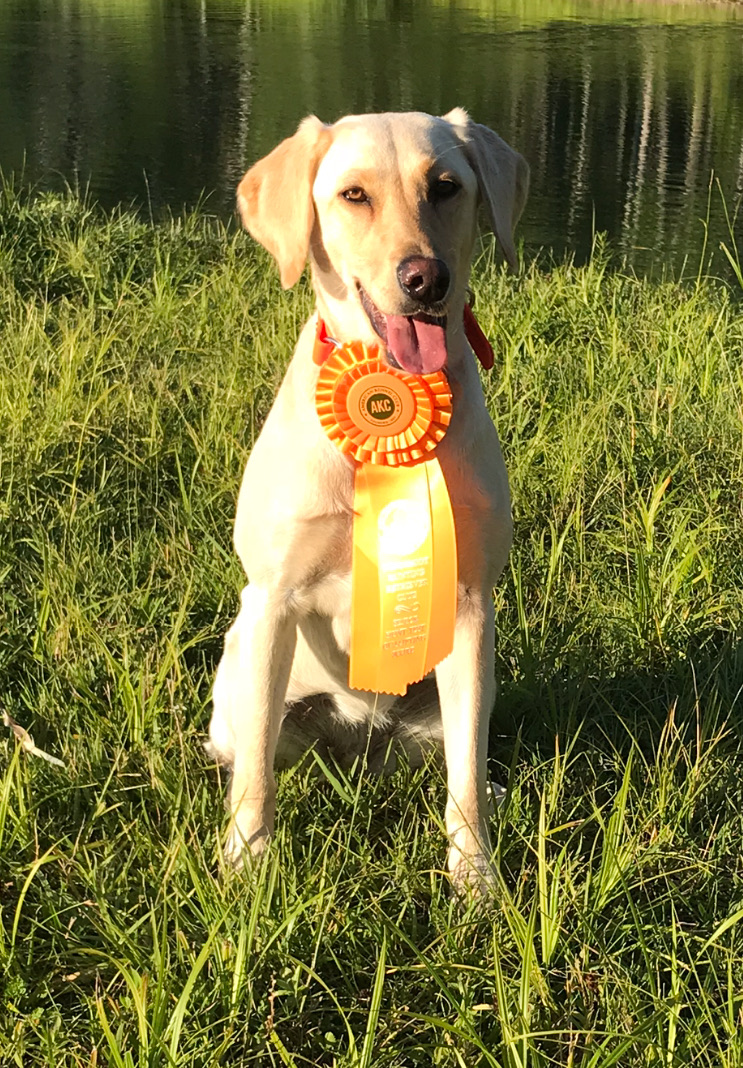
(438, 158)
(355, 177)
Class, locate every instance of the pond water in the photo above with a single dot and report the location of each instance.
(624, 110)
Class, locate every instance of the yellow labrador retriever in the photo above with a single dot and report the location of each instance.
(385, 208)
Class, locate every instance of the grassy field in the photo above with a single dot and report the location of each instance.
(136, 366)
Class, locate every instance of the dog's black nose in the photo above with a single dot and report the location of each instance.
(424, 279)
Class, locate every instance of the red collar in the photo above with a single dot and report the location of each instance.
(481, 347)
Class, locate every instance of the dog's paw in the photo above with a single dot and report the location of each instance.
(240, 850)
(472, 877)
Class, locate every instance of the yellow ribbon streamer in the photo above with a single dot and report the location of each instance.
(404, 564)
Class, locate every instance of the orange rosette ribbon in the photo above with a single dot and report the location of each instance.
(377, 414)
(404, 564)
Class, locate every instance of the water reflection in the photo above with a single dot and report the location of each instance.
(623, 110)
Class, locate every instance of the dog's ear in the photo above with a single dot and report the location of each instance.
(502, 174)
(275, 198)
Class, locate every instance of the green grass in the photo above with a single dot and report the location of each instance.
(136, 366)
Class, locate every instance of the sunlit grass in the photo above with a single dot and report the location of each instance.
(136, 366)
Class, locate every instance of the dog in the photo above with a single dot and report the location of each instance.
(385, 208)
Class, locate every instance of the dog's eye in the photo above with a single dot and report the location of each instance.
(355, 195)
(443, 189)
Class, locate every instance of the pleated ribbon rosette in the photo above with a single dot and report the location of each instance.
(404, 563)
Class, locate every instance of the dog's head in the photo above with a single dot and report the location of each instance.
(385, 207)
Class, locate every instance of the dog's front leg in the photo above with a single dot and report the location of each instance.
(466, 686)
(249, 694)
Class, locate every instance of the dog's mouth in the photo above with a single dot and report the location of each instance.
(415, 343)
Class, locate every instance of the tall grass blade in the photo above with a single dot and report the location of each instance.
(367, 1050)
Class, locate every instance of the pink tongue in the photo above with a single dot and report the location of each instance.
(419, 347)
